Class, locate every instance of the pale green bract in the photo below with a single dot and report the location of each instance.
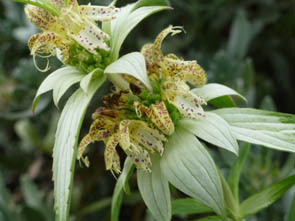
(188, 166)
(211, 91)
(127, 19)
(131, 64)
(154, 189)
(59, 81)
(64, 151)
(212, 129)
(270, 129)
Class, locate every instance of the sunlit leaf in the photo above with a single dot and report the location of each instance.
(211, 91)
(64, 152)
(59, 81)
(189, 167)
(126, 20)
(154, 189)
(212, 129)
(270, 129)
(131, 64)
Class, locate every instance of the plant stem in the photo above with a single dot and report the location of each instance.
(41, 4)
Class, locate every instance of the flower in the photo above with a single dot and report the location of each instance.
(174, 72)
(115, 125)
(73, 24)
(140, 121)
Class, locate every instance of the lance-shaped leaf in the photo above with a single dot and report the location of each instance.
(211, 91)
(266, 197)
(132, 64)
(235, 172)
(270, 129)
(64, 151)
(154, 189)
(188, 166)
(213, 129)
(127, 19)
(120, 186)
(59, 81)
(189, 206)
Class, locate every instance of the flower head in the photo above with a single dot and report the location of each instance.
(174, 74)
(140, 120)
(73, 27)
(118, 124)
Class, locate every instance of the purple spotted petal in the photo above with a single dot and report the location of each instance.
(98, 13)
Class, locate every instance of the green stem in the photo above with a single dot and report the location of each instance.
(42, 4)
(66, 3)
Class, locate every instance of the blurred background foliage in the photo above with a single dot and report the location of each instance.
(247, 45)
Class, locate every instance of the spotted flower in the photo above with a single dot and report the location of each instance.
(73, 24)
(115, 125)
(174, 72)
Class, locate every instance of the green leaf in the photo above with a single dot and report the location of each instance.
(143, 3)
(291, 215)
(125, 21)
(189, 206)
(223, 102)
(95, 207)
(212, 129)
(45, 4)
(154, 189)
(59, 81)
(266, 197)
(235, 172)
(270, 129)
(64, 152)
(188, 166)
(86, 81)
(211, 218)
(212, 91)
(131, 64)
(232, 206)
(120, 186)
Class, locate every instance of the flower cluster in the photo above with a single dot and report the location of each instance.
(73, 31)
(140, 120)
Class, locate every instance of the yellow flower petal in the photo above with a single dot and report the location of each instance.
(40, 17)
(147, 51)
(47, 42)
(141, 159)
(159, 115)
(101, 129)
(82, 147)
(99, 13)
(188, 104)
(157, 53)
(83, 30)
(194, 74)
(111, 157)
(125, 136)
